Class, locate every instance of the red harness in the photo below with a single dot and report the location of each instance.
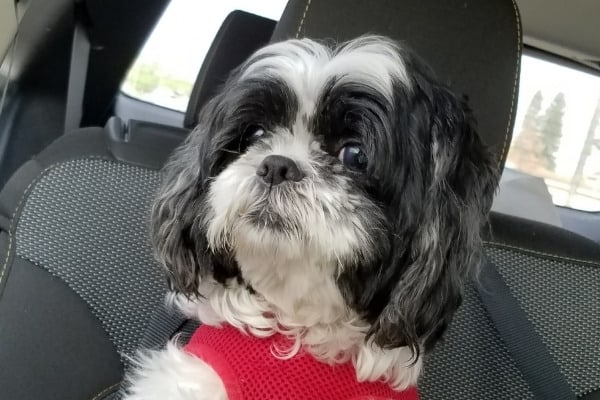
(249, 370)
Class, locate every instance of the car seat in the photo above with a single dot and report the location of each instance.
(79, 288)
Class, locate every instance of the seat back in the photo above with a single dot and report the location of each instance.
(555, 276)
(78, 282)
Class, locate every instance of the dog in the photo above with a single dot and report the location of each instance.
(329, 204)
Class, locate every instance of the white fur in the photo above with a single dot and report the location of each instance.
(307, 65)
(173, 374)
(326, 238)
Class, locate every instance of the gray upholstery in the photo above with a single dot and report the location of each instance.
(85, 222)
(73, 226)
(561, 298)
(471, 362)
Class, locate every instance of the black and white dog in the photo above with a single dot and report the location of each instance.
(331, 194)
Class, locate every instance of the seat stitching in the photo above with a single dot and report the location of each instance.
(540, 253)
(514, 92)
(13, 218)
(303, 18)
(106, 390)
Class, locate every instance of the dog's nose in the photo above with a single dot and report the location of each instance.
(276, 169)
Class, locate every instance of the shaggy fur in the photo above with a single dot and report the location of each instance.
(355, 240)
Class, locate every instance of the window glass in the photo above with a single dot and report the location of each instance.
(557, 132)
(166, 68)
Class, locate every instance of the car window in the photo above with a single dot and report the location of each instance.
(557, 131)
(165, 70)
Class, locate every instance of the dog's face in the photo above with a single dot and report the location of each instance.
(348, 171)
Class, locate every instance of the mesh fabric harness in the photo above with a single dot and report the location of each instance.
(249, 369)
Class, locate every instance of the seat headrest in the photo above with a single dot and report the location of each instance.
(473, 46)
(240, 35)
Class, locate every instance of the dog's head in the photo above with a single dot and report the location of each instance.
(348, 164)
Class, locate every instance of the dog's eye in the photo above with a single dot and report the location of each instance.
(250, 135)
(353, 157)
(253, 132)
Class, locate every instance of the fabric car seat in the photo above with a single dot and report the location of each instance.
(78, 285)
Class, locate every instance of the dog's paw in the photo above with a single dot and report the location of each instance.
(172, 374)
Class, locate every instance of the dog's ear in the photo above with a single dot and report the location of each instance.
(460, 181)
(174, 217)
(177, 231)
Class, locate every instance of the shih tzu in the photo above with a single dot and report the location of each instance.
(320, 221)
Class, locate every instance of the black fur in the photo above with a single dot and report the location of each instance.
(178, 236)
(410, 293)
(429, 181)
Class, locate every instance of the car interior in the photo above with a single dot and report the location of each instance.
(80, 160)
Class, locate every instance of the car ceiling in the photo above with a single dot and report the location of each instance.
(570, 29)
